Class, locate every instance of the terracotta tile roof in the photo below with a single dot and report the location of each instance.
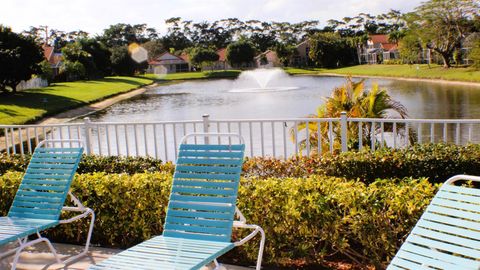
(389, 46)
(185, 57)
(379, 38)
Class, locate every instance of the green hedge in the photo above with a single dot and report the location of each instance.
(92, 163)
(437, 162)
(434, 161)
(305, 219)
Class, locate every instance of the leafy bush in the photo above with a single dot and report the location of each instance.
(434, 161)
(304, 219)
(91, 164)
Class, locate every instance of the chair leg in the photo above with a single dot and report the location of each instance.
(89, 237)
(26, 243)
(261, 248)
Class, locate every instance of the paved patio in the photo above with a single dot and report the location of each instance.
(38, 258)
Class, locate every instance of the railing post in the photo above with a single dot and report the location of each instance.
(206, 125)
(88, 135)
(343, 127)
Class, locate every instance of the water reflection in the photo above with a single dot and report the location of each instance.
(190, 100)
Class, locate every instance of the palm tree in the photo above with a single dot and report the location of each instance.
(357, 102)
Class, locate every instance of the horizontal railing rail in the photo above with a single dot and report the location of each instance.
(279, 138)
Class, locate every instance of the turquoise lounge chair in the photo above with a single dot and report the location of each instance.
(200, 214)
(447, 236)
(40, 199)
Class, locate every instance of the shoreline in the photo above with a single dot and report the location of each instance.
(85, 110)
(411, 79)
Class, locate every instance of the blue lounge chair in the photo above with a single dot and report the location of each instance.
(447, 236)
(200, 214)
(40, 199)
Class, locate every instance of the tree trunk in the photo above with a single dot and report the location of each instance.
(446, 60)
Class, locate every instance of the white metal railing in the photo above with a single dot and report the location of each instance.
(263, 137)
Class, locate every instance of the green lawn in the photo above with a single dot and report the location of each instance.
(407, 71)
(195, 75)
(29, 105)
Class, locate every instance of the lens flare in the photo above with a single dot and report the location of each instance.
(138, 53)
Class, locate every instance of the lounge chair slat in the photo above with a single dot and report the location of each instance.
(459, 197)
(26, 193)
(39, 199)
(456, 204)
(209, 161)
(204, 191)
(41, 205)
(440, 256)
(205, 169)
(43, 187)
(60, 150)
(453, 212)
(216, 176)
(452, 221)
(47, 166)
(202, 207)
(54, 160)
(216, 184)
(59, 182)
(461, 190)
(55, 155)
(199, 229)
(440, 245)
(207, 199)
(200, 222)
(212, 154)
(46, 176)
(401, 264)
(48, 171)
(448, 229)
(223, 147)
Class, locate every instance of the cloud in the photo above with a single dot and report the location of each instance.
(93, 15)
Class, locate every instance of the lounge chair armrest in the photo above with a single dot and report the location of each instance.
(239, 214)
(256, 230)
(85, 211)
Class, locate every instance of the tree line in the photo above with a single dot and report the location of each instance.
(440, 25)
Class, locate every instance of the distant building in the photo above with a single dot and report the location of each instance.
(168, 63)
(54, 58)
(267, 59)
(378, 49)
(301, 58)
(221, 63)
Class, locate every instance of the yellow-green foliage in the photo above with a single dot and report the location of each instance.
(304, 218)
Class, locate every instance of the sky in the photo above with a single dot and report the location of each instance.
(93, 16)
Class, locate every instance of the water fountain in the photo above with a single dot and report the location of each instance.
(263, 80)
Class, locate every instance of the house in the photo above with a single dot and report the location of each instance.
(378, 49)
(301, 58)
(221, 63)
(168, 63)
(267, 59)
(54, 58)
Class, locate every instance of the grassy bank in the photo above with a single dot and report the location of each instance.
(195, 75)
(405, 71)
(33, 104)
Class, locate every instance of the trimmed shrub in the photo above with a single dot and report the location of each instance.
(434, 161)
(93, 163)
(304, 219)
(437, 162)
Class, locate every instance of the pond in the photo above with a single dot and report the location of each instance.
(285, 97)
